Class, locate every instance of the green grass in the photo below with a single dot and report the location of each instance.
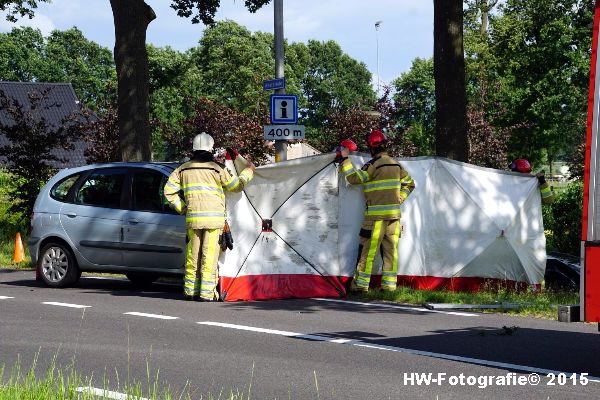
(7, 249)
(65, 383)
(541, 304)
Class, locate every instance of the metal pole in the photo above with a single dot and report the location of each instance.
(280, 145)
(377, 24)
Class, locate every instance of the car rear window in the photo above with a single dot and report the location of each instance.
(60, 190)
(102, 189)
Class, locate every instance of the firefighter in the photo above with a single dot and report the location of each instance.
(202, 181)
(386, 186)
(546, 191)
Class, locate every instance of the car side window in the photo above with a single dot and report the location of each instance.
(61, 189)
(147, 192)
(102, 189)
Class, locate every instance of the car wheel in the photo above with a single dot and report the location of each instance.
(57, 266)
(138, 279)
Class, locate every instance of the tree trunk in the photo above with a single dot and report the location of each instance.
(449, 72)
(485, 12)
(131, 21)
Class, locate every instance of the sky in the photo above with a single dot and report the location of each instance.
(405, 33)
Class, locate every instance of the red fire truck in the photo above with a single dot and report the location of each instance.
(590, 236)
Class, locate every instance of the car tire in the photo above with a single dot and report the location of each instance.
(57, 266)
(141, 280)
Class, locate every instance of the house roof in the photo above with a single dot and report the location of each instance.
(60, 94)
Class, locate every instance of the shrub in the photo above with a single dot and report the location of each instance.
(563, 219)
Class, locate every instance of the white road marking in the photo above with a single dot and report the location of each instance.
(108, 394)
(54, 303)
(139, 314)
(406, 308)
(359, 343)
(5, 297)
(104, 278)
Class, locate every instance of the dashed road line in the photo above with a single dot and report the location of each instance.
(405, 308)
(139, 314)
(6, 297)
(108, 394)
(55, 303)
(360, 343)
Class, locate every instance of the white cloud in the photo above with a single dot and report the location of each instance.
(39, 21)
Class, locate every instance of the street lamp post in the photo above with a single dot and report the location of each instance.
(280, 145)
(377, 25)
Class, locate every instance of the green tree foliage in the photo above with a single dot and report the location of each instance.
(204, 10)
(65, 56)
(229, 128)
(175, 84)
(22, 8)
(415, 101)
(563, 219)
(355, 123)
(334, 80)
(29, 152)
(541, 60)
(132, 18)
(233, 63)
(22, 55)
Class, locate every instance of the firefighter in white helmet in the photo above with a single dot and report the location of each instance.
(203, 182)
(386, 185)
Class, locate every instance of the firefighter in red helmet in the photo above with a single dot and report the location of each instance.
(386, 186)
(523, 166)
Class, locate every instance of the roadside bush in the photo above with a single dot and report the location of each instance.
(562, 220)
(28, 154)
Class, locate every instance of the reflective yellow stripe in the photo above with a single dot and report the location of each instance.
(373, 247)
(233, 183)
(545, 192)
(383, 210)
(177, 205)
(247, 174)
(208, 285)
(384, 184)
(395, 241)
(347, 166)
(173, 186)
(204, 219)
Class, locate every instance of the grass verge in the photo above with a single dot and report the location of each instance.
(541, 304)
(56, 383)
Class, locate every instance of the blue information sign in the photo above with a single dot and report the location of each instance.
(284, 109)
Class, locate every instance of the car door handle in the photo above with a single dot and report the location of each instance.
(134, 221)
(71, 214)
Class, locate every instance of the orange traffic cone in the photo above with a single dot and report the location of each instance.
(19, 254)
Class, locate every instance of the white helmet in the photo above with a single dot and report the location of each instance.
(203, 141)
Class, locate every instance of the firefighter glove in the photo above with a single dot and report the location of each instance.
(541, 177)
(341, 153)
(231, 153)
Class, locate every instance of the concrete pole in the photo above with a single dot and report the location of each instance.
(280, 145)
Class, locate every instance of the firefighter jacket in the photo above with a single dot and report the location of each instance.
(386, 185)
(547, 193)
(202, 184)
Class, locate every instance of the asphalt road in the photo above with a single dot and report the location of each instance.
(289, 349)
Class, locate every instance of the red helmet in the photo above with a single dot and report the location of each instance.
(376, 138)
(520, 165)
(349, 144)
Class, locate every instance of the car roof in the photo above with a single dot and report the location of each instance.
(166, 167)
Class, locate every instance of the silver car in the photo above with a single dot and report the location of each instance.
(108, 218)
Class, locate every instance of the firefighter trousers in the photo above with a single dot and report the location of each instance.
(384, 234)
(201, 274)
